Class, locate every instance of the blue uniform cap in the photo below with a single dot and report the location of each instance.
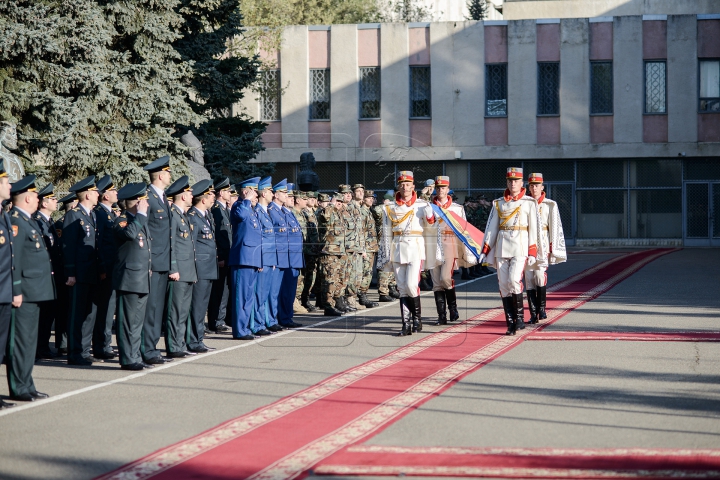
(87, 183)
(265, 183)
(25, 184)
(250, 183)
(291, 189)
(201, 188)
(281, 186)
(105, 184)
(133, 191)
(180, 185)
(162, 163)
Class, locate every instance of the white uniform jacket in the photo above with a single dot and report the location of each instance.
(402, 238)
(552, 237)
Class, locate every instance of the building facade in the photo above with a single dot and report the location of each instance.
(621, 114)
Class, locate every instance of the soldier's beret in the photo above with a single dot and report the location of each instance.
(105, 184)
(222, 185)
(201, 188)
(133, 191)
(162, 163)
(48, 191)
(179, 186)
(87, 183)
(25, 184)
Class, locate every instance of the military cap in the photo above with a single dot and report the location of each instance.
(406, 176)
(133, 191)
(357, 185)
(105, 184)
(281, 186)
(70, 197)
(162, 163)
(233, 191)
(514, 173)
(251, 182)
(429, 182)
(25, 184)
(442, 181)
(3, 172)
(451, 192)
(222, 185)
(389, 195)
(179, 186)
(291, 189)
(312, 194)
(338, 196)
(201, 188)
(369, 193)
(87, 183)
(300, 194)
(342, 188)
(48, 191)
(323, 197)
(265, 183)
(535, 178)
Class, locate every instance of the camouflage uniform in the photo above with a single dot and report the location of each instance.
(303, 226)
(331, 227)
(385, 279)
(311, 251)
(371, 247)
(355, 247)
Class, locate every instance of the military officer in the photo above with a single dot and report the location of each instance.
(277, 215)
(331, 227)
(203, 233)
(299, 203)
(105, 217)
(159, 227)
(33, 284)
(296, 261)
(81, 270)
(354, 246)
(245, 259)
(262, 322)
(131, 273)
(233, 198)
(43, 217)
(311, 248)
(68, 202)
(223, 234)
(511, 242)
(553, 240)
(8, 299)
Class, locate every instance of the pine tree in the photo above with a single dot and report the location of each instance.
(477, 9)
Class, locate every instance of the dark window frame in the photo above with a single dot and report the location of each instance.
(487, 89)
(699, 79)
(428, 93)
(378, 72)
(612, 92)
(645, 105)
(312, 107)
(540, 86)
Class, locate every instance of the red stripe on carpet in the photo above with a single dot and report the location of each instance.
(628, 336)
(287, 437)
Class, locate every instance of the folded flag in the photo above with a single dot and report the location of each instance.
(470, 236)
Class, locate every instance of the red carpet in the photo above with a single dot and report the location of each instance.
(288, 437)
(628, 336)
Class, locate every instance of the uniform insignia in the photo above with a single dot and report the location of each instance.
(109, 217)
(15, 214)
(192, 227)
(81, 223)
(15, 230)
(59, 232)
(37, 244)
(160, 210)
(2, 240)
(122, 224)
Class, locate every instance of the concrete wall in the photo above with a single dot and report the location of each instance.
(395, 105)
(628, 79)
(682, 78)
(574, 81)
(522, 86)
(294, 75)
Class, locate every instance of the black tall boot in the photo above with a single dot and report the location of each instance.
(406, 316)
(452, 304)
(532, 305)
(416, 314)
(365, 301)
(393, 290)
(541, 301)
(440, 305)
(465, 274)
(509, 308)
(520, 309)
(340, 304)
(474, 273)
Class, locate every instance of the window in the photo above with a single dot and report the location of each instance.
(270, 95)
(655, 89)
(548, 89)
(320, 94)
(709, 86)
(601, 88)
(496, 90)
(419, 92)
(369, 92)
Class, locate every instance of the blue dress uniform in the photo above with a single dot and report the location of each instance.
(281, 241)
(217, 310)
(107, 256)
(245, 260)
(203, 233)
(6, 274)
(32, 278)
(263, 320)
(131, 277)
(296, 261)
(62, 291)
(80, 257)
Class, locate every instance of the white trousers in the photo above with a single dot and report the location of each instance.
(407, 276)
(510, 273)
(442, 275)
(536, 277)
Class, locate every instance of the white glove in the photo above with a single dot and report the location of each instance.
(531, 261)
(482, 258)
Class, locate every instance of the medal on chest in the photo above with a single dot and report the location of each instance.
(141, 243)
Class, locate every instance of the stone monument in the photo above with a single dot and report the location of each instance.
(307, 179)
(195, 157)
(8, 141)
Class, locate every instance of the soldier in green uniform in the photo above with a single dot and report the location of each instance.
(322, 203)
(131, 273)
(371, 246)
(331, 226)
(68, 202)
(48, 310)
(387, 288)
(33, 283)
(354, 248)
(309, 231)
(312, 250)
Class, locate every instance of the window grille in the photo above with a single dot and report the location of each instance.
(601, 88)
(270, 95)
(655, 87)
(548, 88)
(369, 92)
(709, 86)
(496, 90)
(419, 92)
(320, 94)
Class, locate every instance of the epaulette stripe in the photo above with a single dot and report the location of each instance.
(18, 282)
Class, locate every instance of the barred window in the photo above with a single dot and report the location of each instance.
(270, 95)
(496, 90)
(655, 89)
(709, 86)
(548, 88)
(601, 88)
(320, 94)
(419, 92)
(369, 92)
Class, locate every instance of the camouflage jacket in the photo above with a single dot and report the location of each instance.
(377, 214)
(369, 229)
(354, 236)
(312, 237)
(331, 228)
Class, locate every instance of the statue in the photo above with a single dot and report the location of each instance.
(196, 160)
(307, 179)
(8, 141)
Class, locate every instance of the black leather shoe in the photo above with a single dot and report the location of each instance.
(45, 355)
(208, 331)
(132, 366)
(220, 329)
(262, 333)
(79, 361)
(147, 365)
(332, 312)
(209, 349)
(245, 337)
(95, 359)
(182, 354)
(386, 298)
(4, 404)
(198, 350)
(291, 325)
(275, 328)
(465, 274)
(62, 351)
(40, 395)
(105, 355)
(23, 397)
(157, 360)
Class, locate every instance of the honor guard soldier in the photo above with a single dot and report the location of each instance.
(131, 273)
(48, 310)
(371, 247)
(159, 228)
(81, 269)
(262, 322)
(402, 248)
(220, 211)
(107, 256)
(553, 240)
(8, 299)
(203, 233)
(510, 242)
(245, 259)
(331, 226)
(67, 203)
(32, 286)
(296, 261)
(183, 273)
(442, 274)
(387, 288)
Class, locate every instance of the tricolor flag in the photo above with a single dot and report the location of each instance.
(470, 236)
